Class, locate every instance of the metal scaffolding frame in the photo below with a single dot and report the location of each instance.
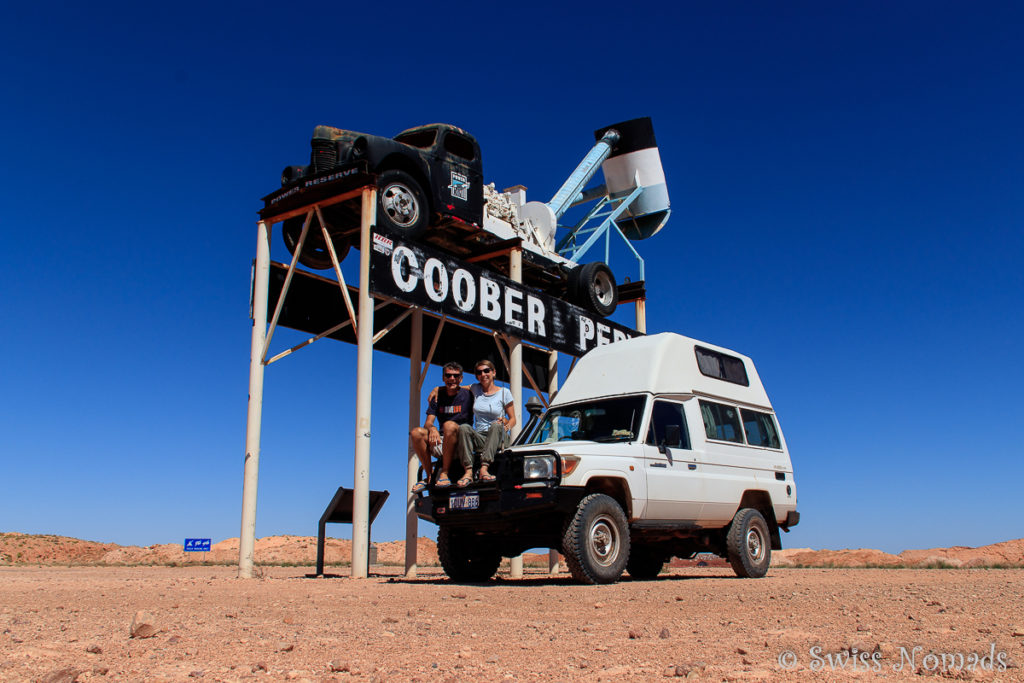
(361, 319)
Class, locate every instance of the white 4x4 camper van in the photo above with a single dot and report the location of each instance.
(655, 447)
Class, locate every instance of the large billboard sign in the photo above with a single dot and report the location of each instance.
(414, 274)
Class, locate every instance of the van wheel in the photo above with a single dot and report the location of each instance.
(466, 558)
(401, 204)
(596, 540)
(593, 287)
(644, 563)
(748, 544)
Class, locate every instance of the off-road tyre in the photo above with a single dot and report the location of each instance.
(401, 204)
(748, 544)
(466, 558)
(314, 252)
(595, 541)
(593, 287)
(644, 563)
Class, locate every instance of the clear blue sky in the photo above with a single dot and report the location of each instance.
(846, 191)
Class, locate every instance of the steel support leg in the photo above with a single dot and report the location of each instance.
(261, 287)
(364, 374)
(415, 349)
(552, 388)
(641, 315)
(515, 363)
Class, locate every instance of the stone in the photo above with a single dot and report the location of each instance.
(337, 666)
(664, 634)
(94, 649)
(285, 647)
(64, 675)
(259, 666)
(634, 635)
(143, 625)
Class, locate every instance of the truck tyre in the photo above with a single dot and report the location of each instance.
(596, 540)
(644, 563)
(465, 558)
(401, 204)
(593, 287)
(748, 544)
(314, 252)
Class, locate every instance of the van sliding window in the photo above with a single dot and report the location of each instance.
(721, 422)
(760, 428)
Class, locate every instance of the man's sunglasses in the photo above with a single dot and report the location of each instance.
(450, 375)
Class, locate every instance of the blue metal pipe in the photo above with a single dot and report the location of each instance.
(571, 188)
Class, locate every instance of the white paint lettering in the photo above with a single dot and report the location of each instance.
(512, 308)
(618, 335)
(462, 279)
(406, 282)
(534, 315)
(435, 280)
(602, 334)
(586, 331)
(490, 307)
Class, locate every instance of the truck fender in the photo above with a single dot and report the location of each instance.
(614, 484)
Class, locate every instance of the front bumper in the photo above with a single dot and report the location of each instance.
(499, 508)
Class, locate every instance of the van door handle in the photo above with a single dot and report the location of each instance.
(658, 464)
(691, 466)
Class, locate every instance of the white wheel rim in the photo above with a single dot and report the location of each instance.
(603, 287)
(604, 540)
(755, 545)
(400, 205)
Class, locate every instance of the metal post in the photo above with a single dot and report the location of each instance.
(260, 290)
(515, 366)
(364, 374)
(641, 315)
(552, 388)
(415, 349)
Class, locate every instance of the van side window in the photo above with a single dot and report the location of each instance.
(721, 366)
(663, 415)
(760, 428)
(721, 422)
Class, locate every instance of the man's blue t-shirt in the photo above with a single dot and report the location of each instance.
(458, 408)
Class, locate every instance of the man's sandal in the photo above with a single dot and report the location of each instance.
(419, 486)
(443, 482)
(464, 482)
(487, 477)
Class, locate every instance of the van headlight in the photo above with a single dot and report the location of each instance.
(539, 467)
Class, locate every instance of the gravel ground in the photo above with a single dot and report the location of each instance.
(65, 624)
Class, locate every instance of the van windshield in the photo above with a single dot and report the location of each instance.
(610, 419)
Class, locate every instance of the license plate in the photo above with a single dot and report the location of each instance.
(464, 501)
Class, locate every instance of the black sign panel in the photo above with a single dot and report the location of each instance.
(414, 274)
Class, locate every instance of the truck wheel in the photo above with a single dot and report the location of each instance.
(593, 287)
(402, 206)
(465, 558)
(596, 540)
(314, 252)
(643, 563)
(748, 544)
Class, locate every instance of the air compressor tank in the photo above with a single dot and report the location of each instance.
(635, 157)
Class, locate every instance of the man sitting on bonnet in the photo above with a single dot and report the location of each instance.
(452, 405)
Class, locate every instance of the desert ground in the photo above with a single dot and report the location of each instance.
(67, 623)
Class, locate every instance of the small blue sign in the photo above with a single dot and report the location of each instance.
(197, 545)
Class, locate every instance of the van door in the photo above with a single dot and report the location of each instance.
(675, 488)
(739, 450)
